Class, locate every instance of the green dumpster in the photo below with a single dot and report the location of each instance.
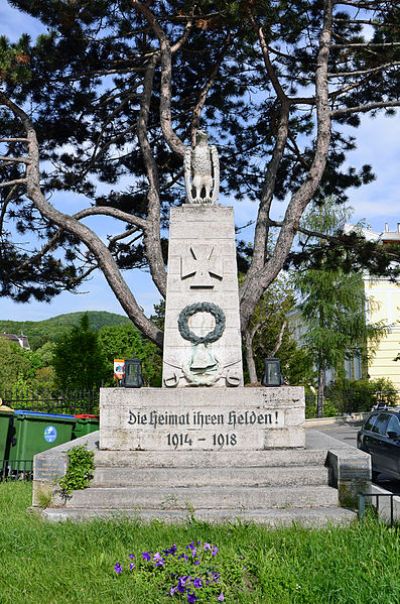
(6, 416)
(85, 424)
(35, 432)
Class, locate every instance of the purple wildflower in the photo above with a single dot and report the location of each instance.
(118, 568)
(146, 556)
(131, 566)
(214, 550)
(197, 583)
(196, 562)
(221, 597)
(158, 559)
(191, 598)
(216, 576)
(173, 591)
(207, 546)
(181, 583)
(132, 556)
(183, 557)
(170, 551)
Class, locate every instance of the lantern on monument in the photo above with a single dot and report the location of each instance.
(272, 373)
(133, 374)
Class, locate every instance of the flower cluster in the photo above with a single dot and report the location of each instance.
(191, 571)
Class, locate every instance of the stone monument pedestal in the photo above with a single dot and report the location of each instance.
(184, 419)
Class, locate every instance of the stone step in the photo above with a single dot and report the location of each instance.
(275, 518)
(197, 477)
(181, 498)
(210, 459)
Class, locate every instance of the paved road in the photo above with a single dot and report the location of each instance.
(348, 433)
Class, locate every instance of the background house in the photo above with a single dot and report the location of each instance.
(383, 305)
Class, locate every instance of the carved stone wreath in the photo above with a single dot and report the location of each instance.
(192, 309)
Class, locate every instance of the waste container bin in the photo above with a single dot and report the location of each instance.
(6, 417)
(34, 432)
(85, 424)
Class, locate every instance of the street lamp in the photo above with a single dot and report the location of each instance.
(272, 373)
(133, 374)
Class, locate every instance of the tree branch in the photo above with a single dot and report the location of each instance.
(254, 288)
(365, 108)
(346, 74)
(280, 93)
(171, 137)
(94, 244)
(16, 160)
(152, 240)
(280, 338)
(204, 91)
(16, 181)
(113, 213)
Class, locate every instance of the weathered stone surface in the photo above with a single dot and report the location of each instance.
(350, 472)
(186, 419)
(181, 498)
(51, 465)
(273, 518)
(231, 476)
(272, 458)
(202, 270)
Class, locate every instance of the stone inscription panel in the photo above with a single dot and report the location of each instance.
(195, 429)
(152, 419)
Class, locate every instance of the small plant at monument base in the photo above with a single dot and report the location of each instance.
(80, 470)
(193, 573)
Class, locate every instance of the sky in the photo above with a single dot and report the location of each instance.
(377, 204)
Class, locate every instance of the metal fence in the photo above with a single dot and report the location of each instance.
(386, 512)
(19, 469)
(49, 401)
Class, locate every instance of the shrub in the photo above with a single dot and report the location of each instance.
(353, 396)
(80, 470)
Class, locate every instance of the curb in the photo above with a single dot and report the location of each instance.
(353, 418)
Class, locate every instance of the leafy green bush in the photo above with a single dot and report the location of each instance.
(353, 396)
(80, 470)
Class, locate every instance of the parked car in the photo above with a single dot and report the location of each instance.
(380, 437)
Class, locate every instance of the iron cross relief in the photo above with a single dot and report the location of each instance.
(202, 267)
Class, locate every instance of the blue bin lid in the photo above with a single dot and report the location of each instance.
(43, 415)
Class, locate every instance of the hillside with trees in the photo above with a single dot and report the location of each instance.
(50, 330)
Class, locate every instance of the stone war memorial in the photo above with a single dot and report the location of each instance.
(202, 404)
(204, 445)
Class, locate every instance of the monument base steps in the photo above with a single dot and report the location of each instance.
(271, 487)
(274, 518)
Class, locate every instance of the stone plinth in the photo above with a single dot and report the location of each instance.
(229, 419)
(202, 272)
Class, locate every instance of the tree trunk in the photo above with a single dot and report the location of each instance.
(248, 350)
(321, 392)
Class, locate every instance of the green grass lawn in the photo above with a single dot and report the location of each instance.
(44, 563)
